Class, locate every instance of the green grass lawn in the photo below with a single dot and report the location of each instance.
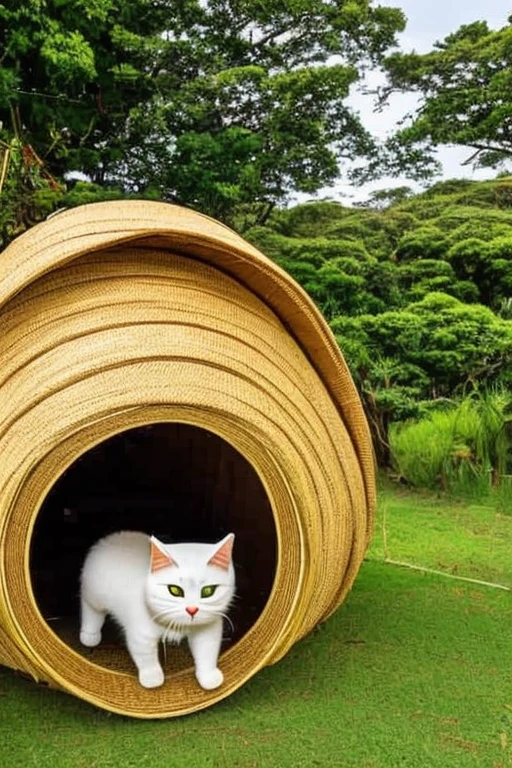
(413, 671)
(462, 538)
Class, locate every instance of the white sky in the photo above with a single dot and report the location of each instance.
(428, 21)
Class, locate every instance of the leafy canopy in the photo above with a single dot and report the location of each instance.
(419, 295)
(464, 87)
(212, 103)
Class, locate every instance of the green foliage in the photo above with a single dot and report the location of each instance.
(464, 87)
(216, 105)
(419, 278)
(460, 227)
(450, 342)
(463, 447)
(419, 295)
(495, 194)
(469, 258)
(27, 195)
(426, 242)
(383, 198)
(381, 231)
(67, 55)
(308, 219)
(340, 275)
(463, 229)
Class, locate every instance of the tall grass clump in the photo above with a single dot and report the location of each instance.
(463, 447)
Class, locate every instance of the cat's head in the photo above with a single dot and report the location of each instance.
(190, 584)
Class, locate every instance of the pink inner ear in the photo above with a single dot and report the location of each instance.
(222, 557)
(159, 559)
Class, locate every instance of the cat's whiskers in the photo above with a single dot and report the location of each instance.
(164, 638)
(228, 619)
(172, 626)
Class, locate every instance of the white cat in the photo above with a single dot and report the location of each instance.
(159, 592)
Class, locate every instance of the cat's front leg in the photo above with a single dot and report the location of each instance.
(144, 652)
(204, 643)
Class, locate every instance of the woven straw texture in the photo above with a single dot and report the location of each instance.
(121, 314)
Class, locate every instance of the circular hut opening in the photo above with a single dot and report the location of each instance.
(176, 481)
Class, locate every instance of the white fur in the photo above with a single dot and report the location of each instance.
(117, 580)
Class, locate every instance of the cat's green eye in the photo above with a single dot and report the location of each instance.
(209, 590)
(175, 590)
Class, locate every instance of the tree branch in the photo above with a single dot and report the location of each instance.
(484, 148)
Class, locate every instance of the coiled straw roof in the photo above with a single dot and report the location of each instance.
(121, 314)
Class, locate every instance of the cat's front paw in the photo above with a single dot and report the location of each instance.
(90, 639)
(210, 680)
(152, 677)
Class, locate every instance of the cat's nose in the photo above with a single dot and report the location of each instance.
(191, 609)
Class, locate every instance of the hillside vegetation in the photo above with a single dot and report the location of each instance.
(419, 296)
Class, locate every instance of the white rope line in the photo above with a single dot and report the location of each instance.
(401, 564)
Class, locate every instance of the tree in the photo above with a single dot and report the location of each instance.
(418, 278)
(433, 348)
(403, 289)
(215, 104)
(452, 343)
(383, 198)
(464, 87)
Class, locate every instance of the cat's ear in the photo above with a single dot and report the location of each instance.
(160, 558)
(222, 555)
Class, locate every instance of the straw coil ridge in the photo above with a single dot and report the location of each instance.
(121, 314)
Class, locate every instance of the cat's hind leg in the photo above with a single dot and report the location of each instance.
(91, 624)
